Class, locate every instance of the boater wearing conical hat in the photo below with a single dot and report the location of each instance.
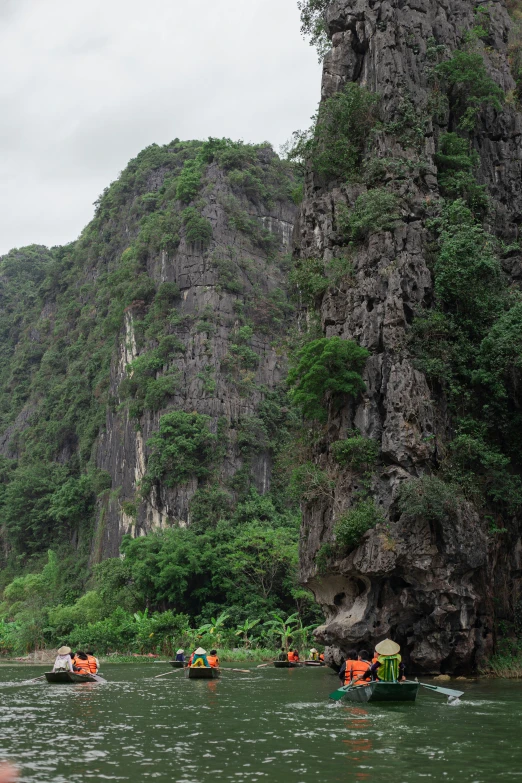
(388, 667)
(200, 658)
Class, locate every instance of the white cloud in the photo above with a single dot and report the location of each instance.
(89, 84)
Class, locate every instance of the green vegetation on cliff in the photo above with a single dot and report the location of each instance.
(96, 336)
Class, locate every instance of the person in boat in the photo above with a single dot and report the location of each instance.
(321, 657)
(389, 666)
(199, 658)
(63, 662)
(313, 655)
(180, 656)
(213, 659)
(282, 655)
(94, 663)
(355, 670)
(81, 663)
(293, 656)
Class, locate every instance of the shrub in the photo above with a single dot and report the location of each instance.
(189, 181)
(328, 365)
(470, 88)
(455, 164)
(308, 482)
(354, 523)
(356, 452)
(375, 210)
(183, 447)
(209, 505)
(198, 230)
(428, 498)
(468, 278)
(313, 25)
(336, 141)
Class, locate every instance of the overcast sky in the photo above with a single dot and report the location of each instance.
(86, 84)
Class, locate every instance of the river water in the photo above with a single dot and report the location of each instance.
(268, 725)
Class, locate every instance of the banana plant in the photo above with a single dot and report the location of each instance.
(215, 626)
(243, 630)
(284, 628)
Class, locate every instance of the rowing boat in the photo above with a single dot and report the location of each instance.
(68, 678)
(286, 664)
(202, 673)
(177, 664)
(383, 691)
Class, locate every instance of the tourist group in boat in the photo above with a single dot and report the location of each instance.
(364, 677)
(80, 662)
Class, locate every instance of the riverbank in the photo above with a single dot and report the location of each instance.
(234, 655)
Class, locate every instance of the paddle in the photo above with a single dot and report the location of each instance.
(243, 671)
(174, 671)
(263, 665)
(443, 691)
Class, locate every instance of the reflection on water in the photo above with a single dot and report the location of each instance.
(273, 725)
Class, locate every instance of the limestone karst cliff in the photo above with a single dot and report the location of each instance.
(173, 299)
(439, 565)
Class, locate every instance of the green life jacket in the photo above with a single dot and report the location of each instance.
(389, 669)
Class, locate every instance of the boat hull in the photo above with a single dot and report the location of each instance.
(383, 691)
(177, 664)
(202, 673)
(70, 678)
(286, 665)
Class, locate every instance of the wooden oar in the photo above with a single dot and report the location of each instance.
(35, 679)
(243, 671)
(174, 671)
(443, 691)
(263, 665)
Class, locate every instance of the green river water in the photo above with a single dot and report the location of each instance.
(268, 725)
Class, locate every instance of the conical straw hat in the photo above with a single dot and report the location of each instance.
(200, 651)
(387, 647)
(313, 650)
(180, 651)
(64, 651)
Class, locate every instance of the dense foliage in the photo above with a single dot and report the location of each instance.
(328, 366)
(166, 587)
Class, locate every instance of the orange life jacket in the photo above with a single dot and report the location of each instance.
(353, 670)
(91, 660)
(321, 656)
(83, 665)
(213, 661)
(293, 657)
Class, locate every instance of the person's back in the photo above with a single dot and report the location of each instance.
(282, 655)
(199, 658)
(180, 656)
(93, 662)
(389, 666)
(213, 660)
(354, 671)
(63, 662)
(293, 656)
(81, 663)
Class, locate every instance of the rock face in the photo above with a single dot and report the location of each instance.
(219, 286)
(426, 583)
(174, 298)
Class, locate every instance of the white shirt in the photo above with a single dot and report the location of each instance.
(63, 663)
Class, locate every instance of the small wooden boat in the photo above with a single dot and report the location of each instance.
(383, 691)
(202, 673)
(68, 678)
(177, 664)
(286, 664)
